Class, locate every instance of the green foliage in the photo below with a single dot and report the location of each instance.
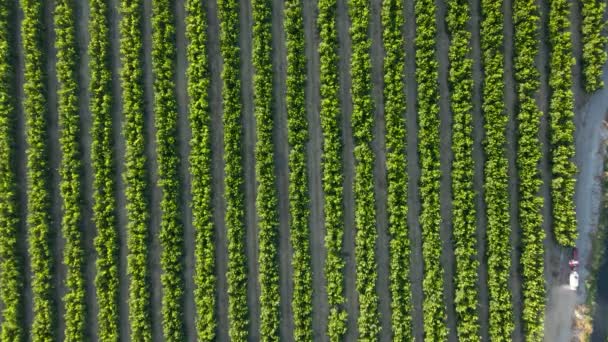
(200, 169)
(526, 21)
(11, 276)
(365, 202)
(463, 195)
(266, 200)
(229, 12)
(71, 169)
(38, 195)
(433, 306)
(396, 166)
(299, 201)
(331, 163)
(561, 119)
(594, 43)
(104, 185)
(165, 116)
(496, 183)
(135, 174)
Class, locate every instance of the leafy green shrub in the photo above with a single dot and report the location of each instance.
(200, 169)
(331, 163)
(135, 173)
(594, 43)
(70, 169)
(496, 180)
(299, 201)
(561, 119)
(362, 122)
(11, 273)
(464, 227)
(165, 117)
(35, 107)
(526, 22)
(228, 11)
(107, 242)
(433, 306)
(396, 167)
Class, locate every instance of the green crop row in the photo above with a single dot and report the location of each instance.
(501, 323)
(396, 161)
(299, 201)
(200, 169)
(331, 163)
(464, 225)
(70, 169)
(362, 122)
(561, 119)
(433, 306)
(594, 43)
(526, 25)
(135, 174)
(266, 200)
(229, 12)
(11, 276)
(38, 196)
(393, 20)
(165, 117)
(104, 185)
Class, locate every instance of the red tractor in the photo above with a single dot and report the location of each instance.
(573, 263)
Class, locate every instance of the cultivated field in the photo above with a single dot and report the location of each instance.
(296, 170)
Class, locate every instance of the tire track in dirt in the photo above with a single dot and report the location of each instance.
(153, 191)
(413, 171)
(510, 105)
(88, 226)
(346, 106)
(21, 166)
(281, 158)
(119, 148)
(249, 139)
(380, 177)
(446, 157)
(318, 252)
(217, 146)
(56, 240)
(183, 142)
(478, 177)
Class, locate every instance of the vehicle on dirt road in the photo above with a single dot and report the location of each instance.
(573, 263)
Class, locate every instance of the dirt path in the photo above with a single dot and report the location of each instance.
(510, 106)
(380, 181)
(348, 247)
(21, 166)
(560, 310)
(478, 178)
(281, 158)
(217, 146)
(317, 229)
(445, 129)
(119, 148)
(249, 138)
(183, 141)
(57, 242)
(154, 192)
(88, 226)
(413, 171)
